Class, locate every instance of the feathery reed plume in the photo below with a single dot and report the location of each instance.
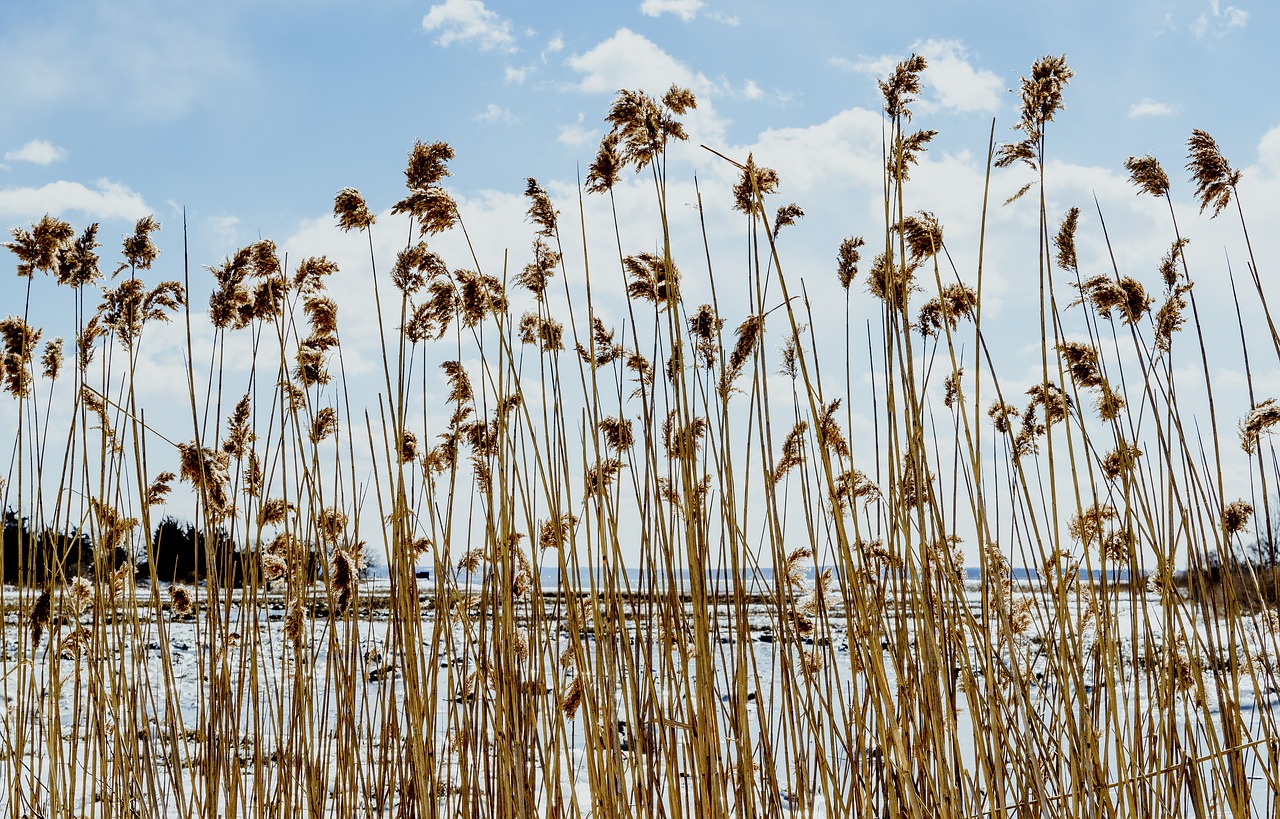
(847, 260)
(324, 424)
(544, 332)
(755, 183)
(790, 366)
(1090, 526)
(1065, 241)
(617, 433)
(38, 248)
(208, 470)
(792, 451)
(1169, 264)
(113, 527)
(1146, 173)
(951, 388)
(652, 278)
(606, 349)
(749, 333)
(345, 570)
(599, 477)
(572, 697)
(905, 153)
(914, 484)
(330, 523)
(77, 262)
(902, 86)
(853, 485)
(478, 295)
(681, 441)
(1082, 363)
(293, 622)
(704, 327)
(955, 302)
(922, 234)
(350, 210)
(294, 396)
(793, 569)
(310, 276)
(274, 511)
(239, 436)
(180, 602)
(51, 359)
(1041, 100)
(1215, 179)
(1257, 423)
(891, 282)
(252, 476)
(787, 215)
(158, 491)
(39, 618)
(126, 309)
(85, 340)
(408, 447)
(608, 164)
(829, 434)
(1120, 460)
(430, 205)
(20, 341)
(540, 212)
(139, 250)
(414, 267)
(536, 274)
(556, 531)
(644, 125)
(1125, 295)
(1235, 516)
(469, 563)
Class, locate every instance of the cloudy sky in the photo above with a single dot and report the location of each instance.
(250, 116)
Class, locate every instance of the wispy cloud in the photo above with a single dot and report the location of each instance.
(468, 21)
(577, 133)
(105, 200)
(1150, 108)
(684, 9)
(37, 151)
(1218, 20)
(495, 114)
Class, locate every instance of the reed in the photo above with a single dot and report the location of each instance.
(670, 572)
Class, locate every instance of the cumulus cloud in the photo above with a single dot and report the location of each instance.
(1150, 108)
(951, 81)
(37, 151)
(495, 114)
(105, 200)
(468, 21)
(684, 9)
(630, 60)
(516, 76)
(1218, 20)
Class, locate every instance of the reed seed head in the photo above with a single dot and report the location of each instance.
(1214, 177)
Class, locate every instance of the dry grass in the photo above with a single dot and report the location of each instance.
(865, 675)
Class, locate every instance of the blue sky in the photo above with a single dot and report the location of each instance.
(252, 115)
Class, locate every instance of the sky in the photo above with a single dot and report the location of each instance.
(245, 118)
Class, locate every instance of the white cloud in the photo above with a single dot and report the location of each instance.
(225, 229)
(629, 60)
(577, 133)
(1218, 20)
(684, 9)
(730, 20)
(1150, 108)
(495, 114)
(951, 81)
(516, 76)
(37, 151)
(105, 200)
(554, 47)
(468, 21)
(752, 90)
